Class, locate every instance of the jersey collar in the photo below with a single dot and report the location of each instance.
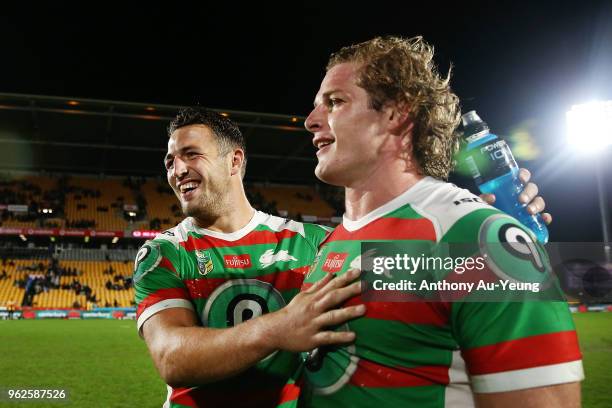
(258, 218)
(409, 196)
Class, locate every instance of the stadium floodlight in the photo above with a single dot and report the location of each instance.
(589, 126)
(589, 129)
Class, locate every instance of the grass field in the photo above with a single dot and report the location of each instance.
(103, 363)
(595, 335)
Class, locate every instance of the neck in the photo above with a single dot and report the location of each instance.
(234, 215)
(363, 197)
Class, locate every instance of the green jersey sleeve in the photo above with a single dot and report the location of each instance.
(157, 282)
(518, 344)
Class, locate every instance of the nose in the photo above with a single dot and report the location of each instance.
(314, 121)
(180, 168)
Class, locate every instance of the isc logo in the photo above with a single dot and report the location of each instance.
(468, 200)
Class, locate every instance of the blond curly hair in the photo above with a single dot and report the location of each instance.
(401, 71)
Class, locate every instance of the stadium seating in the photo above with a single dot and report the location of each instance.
(14, 268)
(105, 208)
(96, 254)
(92, 202)
(160, 201)
(295, 200)
(94, 277)
(97, 203)
(26, 189)
(91, 273)
(10, 293)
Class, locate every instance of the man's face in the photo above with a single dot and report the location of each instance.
(197, 173)
(347, 132)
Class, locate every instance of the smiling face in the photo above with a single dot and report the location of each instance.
(197, 172)
(348, 133)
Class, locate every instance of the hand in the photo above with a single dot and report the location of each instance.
(305, 322)
(529, 195)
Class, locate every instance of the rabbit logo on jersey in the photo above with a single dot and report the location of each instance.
(269, 257)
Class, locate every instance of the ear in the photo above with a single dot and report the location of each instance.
(398, 119)
(237, 156)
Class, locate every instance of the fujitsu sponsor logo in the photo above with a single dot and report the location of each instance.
(334, 261)
(237, 261)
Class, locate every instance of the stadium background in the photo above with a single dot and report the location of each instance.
(82, 185)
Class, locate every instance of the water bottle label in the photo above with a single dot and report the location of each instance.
(490, 161)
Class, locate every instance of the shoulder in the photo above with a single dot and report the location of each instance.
(317, 232)
(467, 224)
(173, 237)
(165, 245)
(449, 207)
(312, 233)
(278, 224)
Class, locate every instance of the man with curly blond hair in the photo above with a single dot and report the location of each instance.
(384, 125)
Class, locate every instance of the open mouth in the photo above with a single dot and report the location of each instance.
(187, 190)
(322, 145)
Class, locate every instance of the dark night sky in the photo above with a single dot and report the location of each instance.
(513, 62)
(271, 57)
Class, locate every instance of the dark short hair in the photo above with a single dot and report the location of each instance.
(227, 133)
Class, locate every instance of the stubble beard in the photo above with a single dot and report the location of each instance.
(208, 206)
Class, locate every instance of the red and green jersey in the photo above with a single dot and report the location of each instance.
(437, 354)
(227, 279)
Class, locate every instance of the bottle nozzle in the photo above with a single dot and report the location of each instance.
(470, 118)
(473, 125)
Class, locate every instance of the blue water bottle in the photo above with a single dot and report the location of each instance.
(492, 165)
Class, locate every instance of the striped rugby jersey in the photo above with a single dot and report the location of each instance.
(436, 354)
(227, 279)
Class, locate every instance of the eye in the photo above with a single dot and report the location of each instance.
(169, 163)
(190, 155)
(333, 102)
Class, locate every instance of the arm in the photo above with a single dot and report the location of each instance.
(186, 354)
(518, 352)
(561, 396)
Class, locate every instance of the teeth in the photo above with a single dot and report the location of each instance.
(188, 186)
(323, 144)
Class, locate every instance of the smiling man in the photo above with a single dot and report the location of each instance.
(384, 124)
(216, 294)
(211, 292)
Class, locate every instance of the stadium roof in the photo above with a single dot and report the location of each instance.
(74, 135)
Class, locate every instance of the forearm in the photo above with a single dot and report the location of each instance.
(186, 354)
(561, 396)
(192, 355)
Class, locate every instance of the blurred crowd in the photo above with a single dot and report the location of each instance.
(39, 277)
